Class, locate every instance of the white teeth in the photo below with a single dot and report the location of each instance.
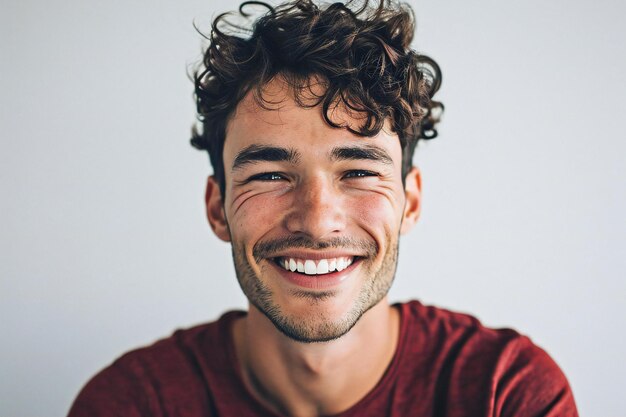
(309, 267)
(341, 264)
(323, 266)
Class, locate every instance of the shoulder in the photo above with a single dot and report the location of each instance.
(435, 330)
(472, 363)
(528, 382)
(137, 382)
(424, 325)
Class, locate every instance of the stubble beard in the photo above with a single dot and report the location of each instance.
(318, 327)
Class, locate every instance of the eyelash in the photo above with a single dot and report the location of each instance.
(277, 176)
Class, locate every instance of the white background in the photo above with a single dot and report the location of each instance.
(103, 242)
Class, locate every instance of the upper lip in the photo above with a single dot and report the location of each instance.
(314, 255)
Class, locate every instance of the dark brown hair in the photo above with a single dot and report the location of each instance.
(360, 53)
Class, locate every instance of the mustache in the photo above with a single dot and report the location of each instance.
(268, 249)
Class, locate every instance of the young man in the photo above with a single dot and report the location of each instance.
(310, 123)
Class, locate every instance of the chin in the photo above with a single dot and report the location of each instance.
(312, 317)
(315, 327)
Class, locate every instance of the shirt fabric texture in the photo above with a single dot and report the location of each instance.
(446, 365)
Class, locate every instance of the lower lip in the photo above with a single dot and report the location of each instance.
(317, 282)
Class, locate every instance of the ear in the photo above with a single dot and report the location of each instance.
(215, 210)
(413, 204)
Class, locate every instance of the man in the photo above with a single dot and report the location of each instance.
(310, 122)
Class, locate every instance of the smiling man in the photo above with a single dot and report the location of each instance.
(310, 121)
(316, 212)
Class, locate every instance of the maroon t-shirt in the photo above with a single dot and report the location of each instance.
(446, 365)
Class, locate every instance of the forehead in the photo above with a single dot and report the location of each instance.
(281, 121)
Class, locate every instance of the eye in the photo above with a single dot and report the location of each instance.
(359, 173)
(267, 176)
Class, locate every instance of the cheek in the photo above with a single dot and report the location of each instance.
(255, 216)
(374, 211)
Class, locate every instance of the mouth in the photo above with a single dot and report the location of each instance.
(314, 266)
(317, 271)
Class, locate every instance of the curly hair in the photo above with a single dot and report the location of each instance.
(361, 53)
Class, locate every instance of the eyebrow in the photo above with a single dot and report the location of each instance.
(367, 152)
(260, 153)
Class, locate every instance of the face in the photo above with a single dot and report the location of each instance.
(313, 214)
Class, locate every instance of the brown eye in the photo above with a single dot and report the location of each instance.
(360, 174)
(267, 176)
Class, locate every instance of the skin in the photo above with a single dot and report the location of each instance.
(300, 349)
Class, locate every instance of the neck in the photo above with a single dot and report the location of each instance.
(311, 379)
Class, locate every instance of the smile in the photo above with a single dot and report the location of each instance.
(315, 267)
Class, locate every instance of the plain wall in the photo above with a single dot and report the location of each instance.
(103, 242)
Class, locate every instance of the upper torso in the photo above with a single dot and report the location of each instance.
(446, 364)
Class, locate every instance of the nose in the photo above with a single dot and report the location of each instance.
(317, 209)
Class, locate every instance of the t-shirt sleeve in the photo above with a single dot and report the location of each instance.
(115, 391)
(531, 384)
